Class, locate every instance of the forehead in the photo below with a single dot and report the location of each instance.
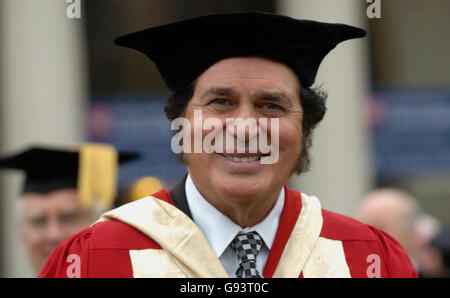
(250, 72)
(56, 200)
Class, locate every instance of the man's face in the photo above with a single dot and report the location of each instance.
(247, 87)
(47, 220)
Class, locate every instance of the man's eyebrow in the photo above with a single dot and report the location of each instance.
(221, 91)
(274, 96)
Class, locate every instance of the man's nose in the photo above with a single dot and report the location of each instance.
(54, 231)
(245, 111)
(244, 123)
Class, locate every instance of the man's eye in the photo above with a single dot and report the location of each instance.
(220, 101)
(271, 106)
(69, 218)
(38, 222)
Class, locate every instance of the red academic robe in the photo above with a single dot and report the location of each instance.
(152, 238)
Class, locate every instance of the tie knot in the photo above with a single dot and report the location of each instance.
(247, 246)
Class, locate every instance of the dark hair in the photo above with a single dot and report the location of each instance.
(312, 100)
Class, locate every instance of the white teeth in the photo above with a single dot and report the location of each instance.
(242, 159)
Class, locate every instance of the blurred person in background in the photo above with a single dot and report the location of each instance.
(393, 211)
(398, 213)
(441, 245)
(428, 258)
(64, 192)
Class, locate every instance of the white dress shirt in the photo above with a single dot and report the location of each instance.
(219, 230)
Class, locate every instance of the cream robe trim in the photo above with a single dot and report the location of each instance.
(154, 263)
(302, 239)
(327, 260)
(309, 253)
(185, 250)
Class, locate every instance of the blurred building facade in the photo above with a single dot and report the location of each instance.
(42, 101)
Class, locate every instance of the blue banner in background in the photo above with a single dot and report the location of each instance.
(139, 124)
(411, 133)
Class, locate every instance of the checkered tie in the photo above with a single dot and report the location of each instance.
(247, 247)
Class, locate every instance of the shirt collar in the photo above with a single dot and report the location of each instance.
(218, 229)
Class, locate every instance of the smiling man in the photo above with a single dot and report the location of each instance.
(232, 215)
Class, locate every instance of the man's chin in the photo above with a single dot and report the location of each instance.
(243, 187)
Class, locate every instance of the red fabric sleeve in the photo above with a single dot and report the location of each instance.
(398, 264)
(70, 258)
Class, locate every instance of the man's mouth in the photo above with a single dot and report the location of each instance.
(243, 157)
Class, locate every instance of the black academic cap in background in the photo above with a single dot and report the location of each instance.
(184, 50)
(50, 169)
